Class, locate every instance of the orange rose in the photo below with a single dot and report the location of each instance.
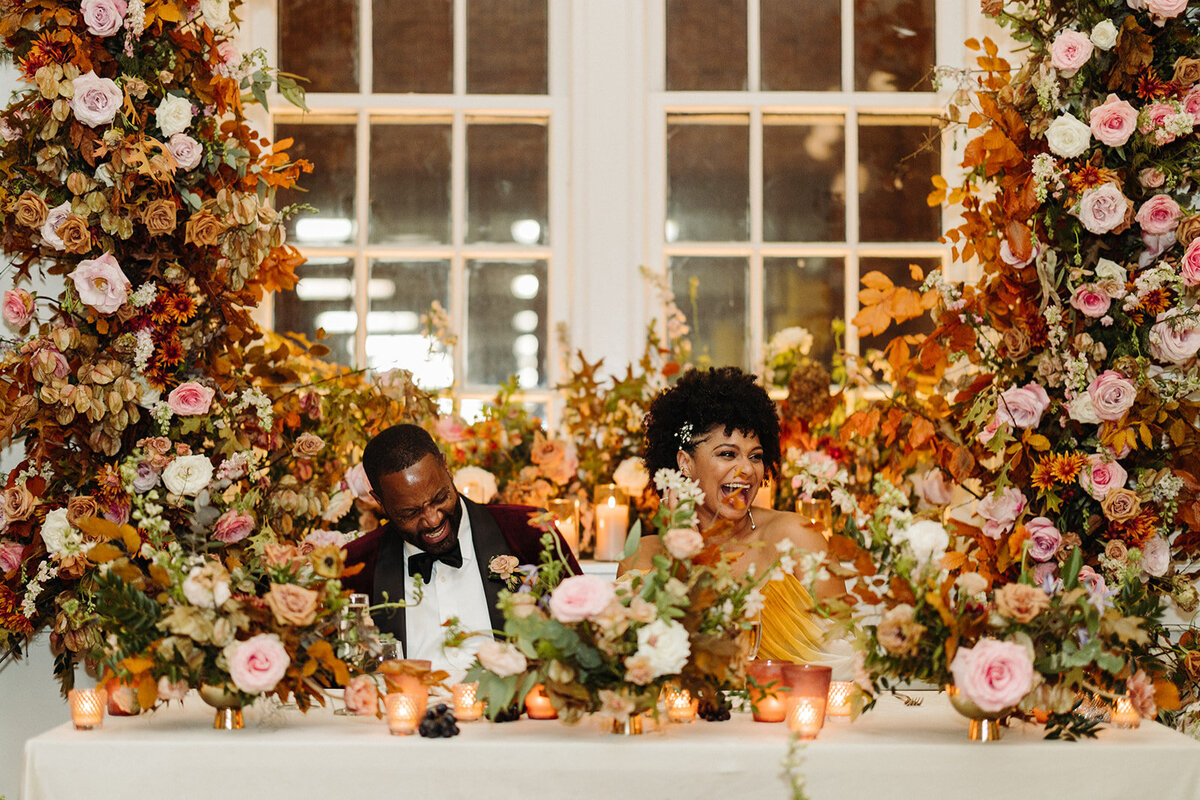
(31, 210)
(203, 229)
(75, 235)
(1120, 505)
(159, 217)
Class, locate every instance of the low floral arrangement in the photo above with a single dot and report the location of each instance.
(611, 647)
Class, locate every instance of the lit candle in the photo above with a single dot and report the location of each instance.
(612, 522)
(839, 698)
(466, 707)
(766, 494)
(566, 520)
(1124, 715)
(681, 707)
(87, 708)
(817, 514)
(404, 677)
(805, 716)
(767, 692)
(537, 704)
(401, 713)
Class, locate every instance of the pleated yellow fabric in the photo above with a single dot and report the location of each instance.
(790, 631)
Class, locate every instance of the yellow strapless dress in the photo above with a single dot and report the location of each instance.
(790, 631)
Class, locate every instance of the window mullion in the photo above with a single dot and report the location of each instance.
(755, 287)
(362, 205)
(458, 226)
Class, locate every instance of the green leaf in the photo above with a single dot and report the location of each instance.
(632, 540)
(1071, 573)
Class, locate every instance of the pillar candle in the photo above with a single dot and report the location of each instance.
(612, 522)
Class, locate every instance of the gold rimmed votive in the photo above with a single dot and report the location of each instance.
(681, 706)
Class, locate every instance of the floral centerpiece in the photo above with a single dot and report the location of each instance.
(611, 647)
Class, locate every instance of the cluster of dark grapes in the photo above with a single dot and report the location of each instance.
(439, 723)
(510, 714)
(718, 711)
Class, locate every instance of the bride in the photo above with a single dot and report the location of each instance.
(720, 428)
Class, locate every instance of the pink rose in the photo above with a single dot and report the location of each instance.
(1101, 475)
(361, 696)
(322, 538)
(1189, 265)
(189, 399)
(683, 543)
(1159, 214)
(103, 17)
(233, 526)
(993, 674)
(502, 658)
(172, 691)
(257, 664)
(447, 429)
(1151, 178)
(580, 597)
(1001, 511)
(1175, 345)
(1114, 121)
(357, 482)
(1191, 103)
(989, 431)
(1069, 51)
(1112, 395)
(97, 100)
(186, 151)
(1165, 9)
(1140, 689)
(100, 283)
(1156, 557)
(1103, 208)
(1022, 407)
(54, 220)
(18, 307)
(11, 554)
(1091, 301)
(1044, 538)
(935, 488)
(1092, 581)
(1043, 571)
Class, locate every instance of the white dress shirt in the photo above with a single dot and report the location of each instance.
(450, 592)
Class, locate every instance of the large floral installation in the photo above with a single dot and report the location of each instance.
(1053, 409)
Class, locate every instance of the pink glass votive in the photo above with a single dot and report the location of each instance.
(87, 707)
(808, 692)
(767, 690)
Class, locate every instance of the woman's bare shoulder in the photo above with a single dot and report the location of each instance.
(781, 526)
(648, 547)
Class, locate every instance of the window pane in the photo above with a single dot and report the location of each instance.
(323, 298)
(507, 326)
(712, 294)
(413, 46)
(330, 147)
(400, 293)
(801, 45)
(897, 156)
(706, 45)
(804, 179)
(809, 292)
(897, 270)
(410, 183)
(318, 39)
(507, 183)
(708, 179)
(893, 45)
(507, 47)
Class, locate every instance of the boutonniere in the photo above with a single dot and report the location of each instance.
(504, 568)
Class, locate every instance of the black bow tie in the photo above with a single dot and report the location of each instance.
(422, 563)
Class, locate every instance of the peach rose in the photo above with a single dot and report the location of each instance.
(292, 604)
(1151, 178)
(76, 237)
(1141, 694)
(203, 229)
(307, 445)
(993, 674)
(257, 664)
(501, 658)
(31, 210)
(18, 503)
(683, 543)
(503, 566)
(81, 507)
(190, 399)
(1187, 70)
(1021, 602)
(1121, 505)
(580, 597)
(362, 696)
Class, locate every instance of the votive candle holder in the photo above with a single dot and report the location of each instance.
(538, 705)
(400, 710)
(808, 693)
(1124, 715)
(87, 707)
(838, 703)
(611, 515)
(681, 706)
(565, 511)
(466, 707)
(767, 690)
(805, 716)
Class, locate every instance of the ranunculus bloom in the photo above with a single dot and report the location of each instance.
(899, 633)
(1114, 121)
(1069, 51)
(1021, 602)
(257, 664)
(579, 597)
(1068, 137)
(97, 100)
(1001, 511)
(501, 658)
(1175, 345)
(1103, 208)
(173, 115)
(1112, 395)
(187, 475)
(189, 399)
(1159, 214)
(1091, 301)
(1102, 475)
(1044, 538)
(233, 526)
(361, 696)
(1023, 406)
(683, 543)
(18, 308)
(100, 283)
(103, 17)
(993, 674)
(292, 604)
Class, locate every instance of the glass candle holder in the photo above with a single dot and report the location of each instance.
(1124, 715)
(400, 711)
(538, 705)
(817, 513)
(565, 511)
(838, 703)
(612, 521)
(466, 707)
(410, 685)
(766, 494)
(808, 692)
(767, 690)
(87, 707)
(805, 716)
(681, 706)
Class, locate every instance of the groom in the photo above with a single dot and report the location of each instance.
(446, 538)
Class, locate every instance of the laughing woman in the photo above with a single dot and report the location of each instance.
(720, 428)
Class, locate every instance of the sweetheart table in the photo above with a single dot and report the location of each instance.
(896, 751)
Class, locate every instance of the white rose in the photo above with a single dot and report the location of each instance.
(1068, 136)
(207, 585)
(927, 540)
(1156, 557)
(58, 535)
(174, 114)
(1107, 270)
(683, 543)
(665, 646)
(501, 658)
(215, 12)
(1104, 35)
(187, 475)
(485, 480)
(1082, 410)
(632, 476)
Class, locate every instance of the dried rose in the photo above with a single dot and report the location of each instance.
(899, 632)
(18, 503)
(31, 210)
(159, 217)
(1187, 70)
(308, 445)
(76, 237)
(1121, 505)
(292, 604)
(203, 229)
(81, 507)
(1021, 602)
(1188, 230)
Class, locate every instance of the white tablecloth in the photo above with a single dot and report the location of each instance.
(893, 752)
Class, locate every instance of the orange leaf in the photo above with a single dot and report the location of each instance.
(877, 280)
(953, 560)
(921, 432)
(1166, 696)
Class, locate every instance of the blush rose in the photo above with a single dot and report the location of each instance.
(100, 283)
(1103, 208)
(257, 664)
(18, 308)
(993, 674)
(189, 399)
(1113, 121)
(1101, 475)
(186, 151)
(683, 543)
(580, 597)
(361, 696)
(97, 100)
(1159, 214)
(1044, 538)
(1112, 395)
(232, 526)
(502, 658)
(1069, 51)
(103, 18)
(1001, 511)
(1023, 406)
(1175, 345)
(1091, 301)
